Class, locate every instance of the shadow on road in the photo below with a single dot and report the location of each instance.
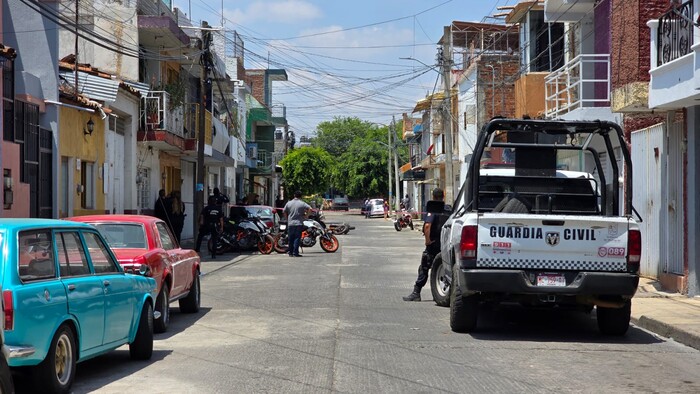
(515, 323)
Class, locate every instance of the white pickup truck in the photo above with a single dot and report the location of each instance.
(543, 218)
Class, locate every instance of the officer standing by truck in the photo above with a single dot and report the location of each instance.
(431, 231)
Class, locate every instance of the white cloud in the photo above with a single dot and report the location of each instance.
(285, 11)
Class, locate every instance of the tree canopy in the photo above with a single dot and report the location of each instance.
(307, 169)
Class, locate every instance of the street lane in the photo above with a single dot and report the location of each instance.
(336, 323)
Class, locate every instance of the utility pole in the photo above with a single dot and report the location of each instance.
(388, 165)
(77, 4)
(446, 62)
(204, 73)
(396, 164)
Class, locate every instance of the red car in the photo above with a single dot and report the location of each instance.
(138, 240)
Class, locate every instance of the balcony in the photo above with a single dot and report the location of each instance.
(583, 83)
(675, 58)
(160, 124)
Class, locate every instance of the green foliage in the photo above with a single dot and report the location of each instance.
(307, 169)
(362, 169)
(337, 135)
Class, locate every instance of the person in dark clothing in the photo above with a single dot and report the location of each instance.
(210, 221)
(221, 199)
(431, 232)
(295, 211)
(177, 217)
(162, 209)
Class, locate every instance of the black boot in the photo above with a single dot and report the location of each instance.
(415, 296)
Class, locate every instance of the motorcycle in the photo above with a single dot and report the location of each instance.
(403, 220)
(313, 228)
(340, 228)
(243, 235)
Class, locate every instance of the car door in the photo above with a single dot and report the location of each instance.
(40, 299)
(118, 288)
(180, 267)
(85, 292)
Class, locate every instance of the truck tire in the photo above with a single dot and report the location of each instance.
(438, 283)
(463, 309)
(614, 321)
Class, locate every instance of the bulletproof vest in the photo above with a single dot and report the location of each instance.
(440, 213)
(212, 215)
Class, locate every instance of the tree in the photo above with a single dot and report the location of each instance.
(362, 170)
(337, 135)
(307, 169)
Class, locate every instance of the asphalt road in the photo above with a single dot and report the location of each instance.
(336, 323)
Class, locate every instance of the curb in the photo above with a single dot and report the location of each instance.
(667, 330)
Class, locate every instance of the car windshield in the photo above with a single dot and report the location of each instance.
(123, 235)
(263, 212)
(340, 200)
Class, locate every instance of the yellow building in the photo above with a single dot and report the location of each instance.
(82, 150)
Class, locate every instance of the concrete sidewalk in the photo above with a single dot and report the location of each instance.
(670, 315)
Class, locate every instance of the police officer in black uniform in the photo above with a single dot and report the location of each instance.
(431, 230)
(210, 221)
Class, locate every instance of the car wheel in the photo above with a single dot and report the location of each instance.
(163, 307)
(55, 374)
(6, 384)
(614, 321)
(191, 303)
(463, 309)
(142, 346)
(439, 285)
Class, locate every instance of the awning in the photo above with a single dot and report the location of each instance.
(431, 180)
(92, 86)
(426, 103)
(143, 88)
(405, 167)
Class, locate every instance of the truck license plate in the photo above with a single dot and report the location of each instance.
(552, 280)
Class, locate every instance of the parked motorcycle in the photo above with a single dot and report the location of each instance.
(245, 234)
(314, 228)
(403, 220)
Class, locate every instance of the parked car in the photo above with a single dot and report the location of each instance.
(264, 212)
(340, 204)
(66, 299)
(145, 240)
(376, 207)
(6, 383)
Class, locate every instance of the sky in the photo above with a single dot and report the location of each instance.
(370, 59)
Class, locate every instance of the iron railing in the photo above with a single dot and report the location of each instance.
(156, 113)
(675, 33)
(582, 82)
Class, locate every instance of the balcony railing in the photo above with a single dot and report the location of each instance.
(156, 113)
(582, 82)
(675, 33)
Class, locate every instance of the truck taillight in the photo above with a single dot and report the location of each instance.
(9, 310)
(634, 248)
(468, 242)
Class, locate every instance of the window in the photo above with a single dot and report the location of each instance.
(71, 255)
(87, 180)
(144, 188)
(165, 239)
(36, 258)
(123, 235)
(99, 255)
(8, 95)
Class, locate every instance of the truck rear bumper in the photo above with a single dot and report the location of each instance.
(518, 282)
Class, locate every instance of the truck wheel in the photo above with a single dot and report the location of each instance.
(614, 321)
(438, 283)
(463, 309)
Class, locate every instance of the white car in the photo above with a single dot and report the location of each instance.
(376, 207)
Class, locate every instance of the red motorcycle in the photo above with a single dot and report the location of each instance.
(403, 220)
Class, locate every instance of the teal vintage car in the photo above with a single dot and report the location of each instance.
(66, 299)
